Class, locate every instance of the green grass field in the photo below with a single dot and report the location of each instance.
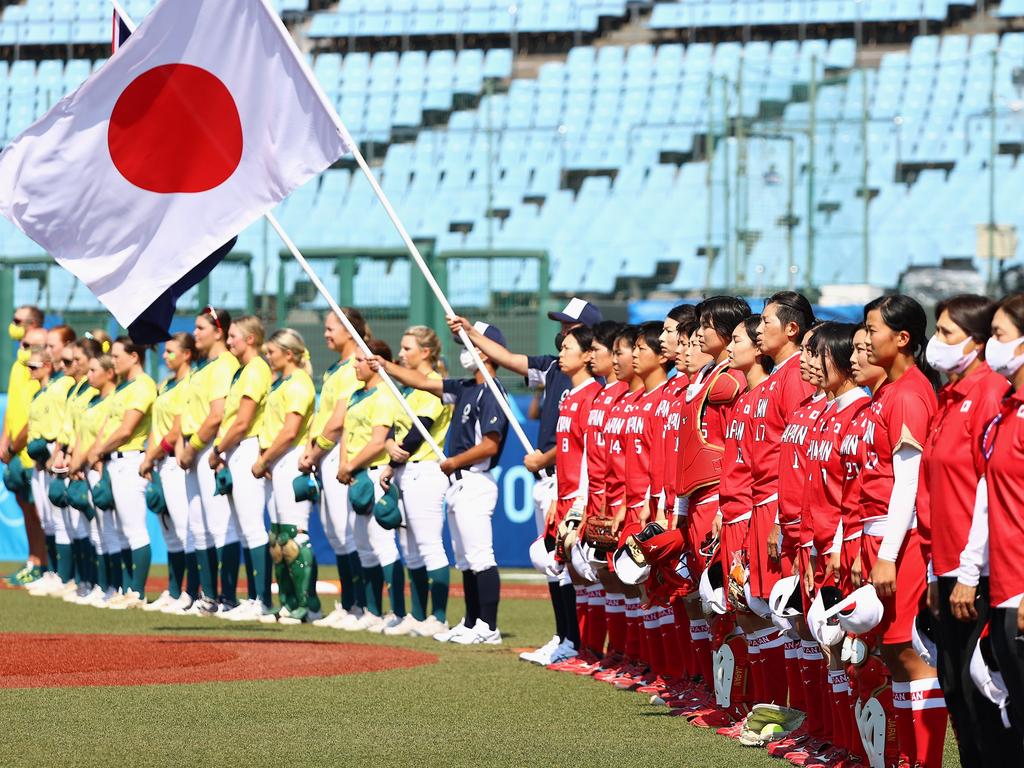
(475, 706)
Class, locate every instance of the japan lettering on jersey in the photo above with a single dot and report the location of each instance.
(734, 491)
(597, 444)
(793, 457)
(830, 474)
(784, 391)
(853, 453)
(571, 443)
(615, 447)
(670, 410)
(645, 448)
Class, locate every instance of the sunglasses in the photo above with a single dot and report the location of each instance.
(25, 345)
(209, 310)
(34, 365)
(68, 360)
(17, 320)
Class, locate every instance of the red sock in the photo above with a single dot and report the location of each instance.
(905, 735)
(756, 685)
(741, 692)
(682, 637)
(700, 641)
(872, 681)
(582, 606)
(596, 621)
(825, 697)
(634, 645)
(773, 666)
(840, 700)
(794, 683)
(669, 645)
(652, 630)
(811, 660)
(615, 616)
(928, 708)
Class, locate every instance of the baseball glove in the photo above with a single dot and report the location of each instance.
(600, 533)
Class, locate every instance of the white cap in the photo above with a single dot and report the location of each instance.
(756, 604)
(581, 562)
(991, 684)
(627, 568)
(924, 645)
(713, 598)
(825, 629)
(860, 612)
(781, 595)
(539, 557)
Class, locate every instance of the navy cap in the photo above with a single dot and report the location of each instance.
(491, 332)
(578, 311)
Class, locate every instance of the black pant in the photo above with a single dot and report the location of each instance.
(981, 737)
(1009, 653)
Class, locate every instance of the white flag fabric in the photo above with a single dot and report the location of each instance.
(203, 121)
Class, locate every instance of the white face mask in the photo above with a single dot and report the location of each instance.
(949, 358)
(1000, 358)
(466, 358)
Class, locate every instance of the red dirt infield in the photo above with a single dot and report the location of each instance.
(70, 661)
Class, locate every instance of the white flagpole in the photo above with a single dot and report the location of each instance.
(124, 16)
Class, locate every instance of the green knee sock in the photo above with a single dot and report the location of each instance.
(348, 597)
(419, 591)
(115, 575)
(191, 585)
(65, 562)
(250, 576)
(313, 599)
(301, 571)
(51, 553)
(230, 556)
(285, 588)
(358, 580)
(373, 580)
(175, 573)
(128, 566)
(439, 580)
(141, 559)
(80, 555)
(208, 572)
(258, 560)
(394, 575)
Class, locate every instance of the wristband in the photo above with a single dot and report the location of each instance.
(166, 447)
(196, 442)
(324, 443)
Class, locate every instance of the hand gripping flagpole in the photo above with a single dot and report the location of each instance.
(315, 279)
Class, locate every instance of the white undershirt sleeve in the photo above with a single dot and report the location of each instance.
(974, 558)
(837, 540)
(906, 468)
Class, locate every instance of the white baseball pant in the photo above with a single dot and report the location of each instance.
(471, 503)
(129, 499)
(213, 526)
(284, 509)
(249, 494)
(50, 517)
(181, 494)
(96, 529)
(375, 545)
(336, 515)
(545, 493)
(423, 486)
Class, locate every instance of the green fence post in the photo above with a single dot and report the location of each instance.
(6, 311)
(204, 293)
(345, 267)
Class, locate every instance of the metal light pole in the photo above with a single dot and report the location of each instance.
(811, 129)
(739, 254)
(709, 157)
(866, 222)
(727, 245)
(990, 281)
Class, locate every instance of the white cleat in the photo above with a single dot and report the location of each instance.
(404, 627)
(429, 627)
(47, 585)
(332, 619)
(481, 634)
(81, 590)
(367, 622)
(158, 604)
(449, 634)
(542, 655)
(243, 609)
(388, 620)
(565, 651)
(91, 597)
(130, 599)
(178, 607)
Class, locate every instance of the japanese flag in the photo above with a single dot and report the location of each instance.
(201, 122)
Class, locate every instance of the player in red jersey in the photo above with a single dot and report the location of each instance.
(890, 547)
(675, 392)
(1002, 455)
(958, 589)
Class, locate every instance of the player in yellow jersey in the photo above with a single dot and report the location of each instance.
(283, 434)
(180, 489)
(102, 530)
(210, 525)
(416, 470)
(368, 419)
(337, 518)
(121, 445)
(237, 448)
(25, 328)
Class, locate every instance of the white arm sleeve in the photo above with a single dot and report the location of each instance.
(974, 558)
(906, 468)
(837, 540)
(682, 506)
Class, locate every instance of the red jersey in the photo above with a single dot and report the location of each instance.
(645, 448)
(783, 392)
(571, 432)
(793, 456)
(615, 447)
(898, 416)
(597, 445)
(734, 491)
(675, 395)
(703, 421)
(853, 453)
(827, 473)
(1004, 445)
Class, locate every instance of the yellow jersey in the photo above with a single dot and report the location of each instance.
(339, 384)
(21, 388)
(136, 394)
(169, 403)
(92, 420)
(210, 381)
(78, 400)
(368, 408)
(46, 411)
(426, 406)
(252, 380)
(292, 394)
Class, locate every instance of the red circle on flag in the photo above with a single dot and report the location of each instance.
(175, 128)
